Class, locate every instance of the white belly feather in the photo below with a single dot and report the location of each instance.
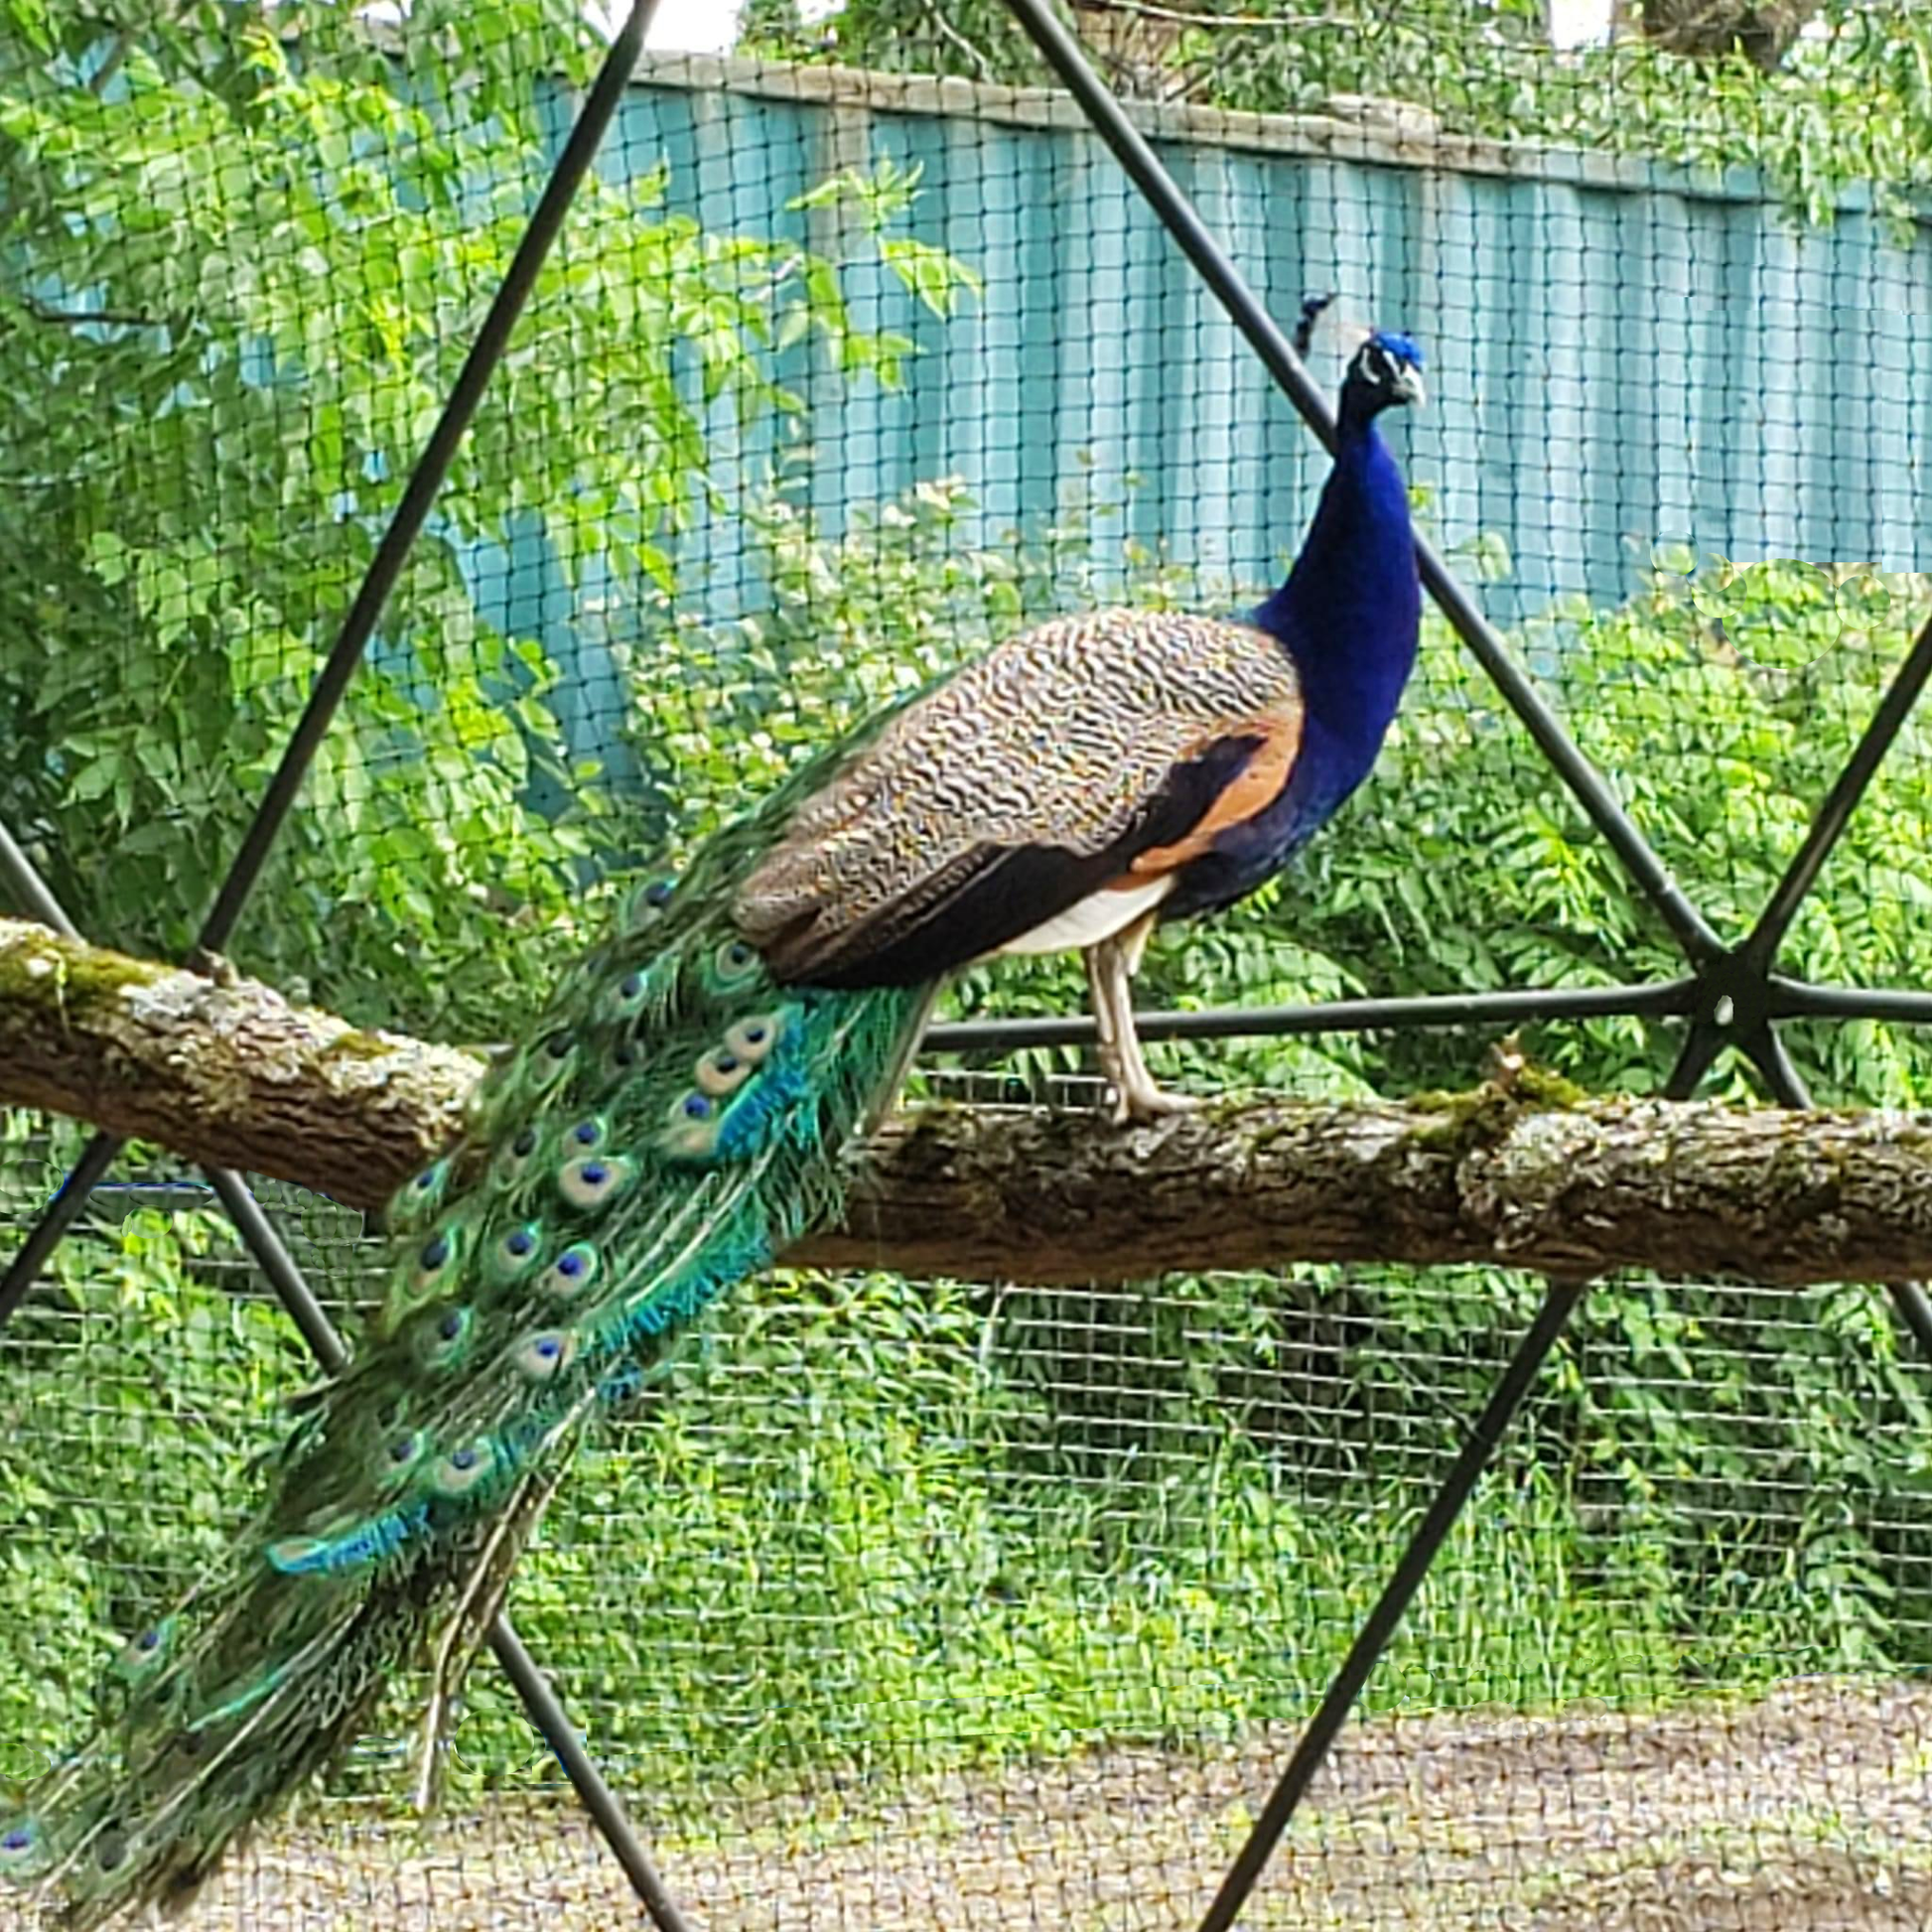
(1094, 919)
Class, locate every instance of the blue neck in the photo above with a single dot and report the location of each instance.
(1349, 610)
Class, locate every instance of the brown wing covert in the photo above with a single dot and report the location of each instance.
(1057, 738)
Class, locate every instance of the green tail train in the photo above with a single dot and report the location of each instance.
(675, 1123)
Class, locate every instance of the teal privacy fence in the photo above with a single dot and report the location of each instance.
(1622, 356)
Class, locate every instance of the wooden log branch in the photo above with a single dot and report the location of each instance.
(1521, 1171)
(228, 1075)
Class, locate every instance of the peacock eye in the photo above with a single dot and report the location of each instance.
(751, 1039)
(463, 1467)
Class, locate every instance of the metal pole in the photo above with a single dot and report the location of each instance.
(29, 888)
(1559, 1302)
(1365, 1652)
(427, 479)
(23, 1270)
(485, 351)
(1841, 803)
(1700, 1046)
(1277, 353)
(1669, 998)
(547, 1712)
(1798, 999)
(285, 1275)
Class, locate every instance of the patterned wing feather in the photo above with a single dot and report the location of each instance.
(1035, 777)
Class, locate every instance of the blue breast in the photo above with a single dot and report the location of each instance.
(1349, 616)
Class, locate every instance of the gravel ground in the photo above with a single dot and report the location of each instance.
(1808, 1811)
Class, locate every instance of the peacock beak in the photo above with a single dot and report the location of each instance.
(1409, 385)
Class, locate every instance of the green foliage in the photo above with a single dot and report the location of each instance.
(1851, 108)
(1721, 705)
(236, 282)
(900, 1526)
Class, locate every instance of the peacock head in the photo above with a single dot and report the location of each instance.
(1386, 370)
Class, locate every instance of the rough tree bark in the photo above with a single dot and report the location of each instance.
(1521, 1171)
(1763, 31)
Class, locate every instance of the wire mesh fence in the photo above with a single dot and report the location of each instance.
(908, 1603)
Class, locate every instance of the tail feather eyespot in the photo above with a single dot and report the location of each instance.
(736, 963)
(544, 1356)
(571, 1274)
(648, 903)
(753, 1038)
(595, 1183)
(720, 1071)
(624, 999)
(514, 1255)
(400, 1456)
(517, 1154)
(691, 1129)
(460, 1471)
(437, 1260)
(419, 1197)
(441, 1333)
(145, 1654)
(23, 1849)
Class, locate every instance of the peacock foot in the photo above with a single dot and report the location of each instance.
(1142, 1100)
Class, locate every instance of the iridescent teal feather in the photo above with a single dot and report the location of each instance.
(673, 1123)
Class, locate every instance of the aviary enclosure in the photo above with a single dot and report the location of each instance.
(449, 464)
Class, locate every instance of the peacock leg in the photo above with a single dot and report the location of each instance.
(1110, 981)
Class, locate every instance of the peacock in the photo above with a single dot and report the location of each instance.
(677, 1119)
